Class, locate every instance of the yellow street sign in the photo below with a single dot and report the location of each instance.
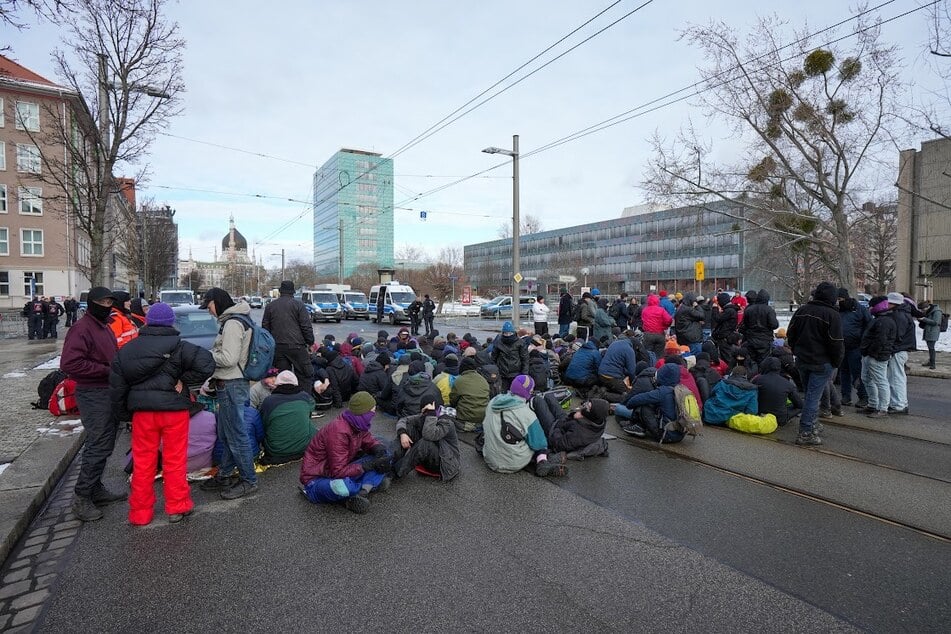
(698, 270)
(518, 278)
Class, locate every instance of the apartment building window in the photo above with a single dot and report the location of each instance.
(31, 201)
(28, 116)
(4, 283)
(3, 147)
(3, 199)
(4, 241)
(31, 242)
(36, 276)
(1, 112)
(28, 158)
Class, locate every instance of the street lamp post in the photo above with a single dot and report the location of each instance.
(515, 220)
(584, 272)
(282, 263)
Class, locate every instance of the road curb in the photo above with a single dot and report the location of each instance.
(26, 509)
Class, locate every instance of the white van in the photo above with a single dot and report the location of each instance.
(322, 305)
(354, 305)
(177, 298)
(397, 298)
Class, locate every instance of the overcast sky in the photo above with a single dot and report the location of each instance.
(298, 80)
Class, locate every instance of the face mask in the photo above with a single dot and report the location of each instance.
(99, 312)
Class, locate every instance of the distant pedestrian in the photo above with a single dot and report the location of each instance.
(88, 352)
(429, 311)
(655, 321)
(618, 311)
(71, 306)
(907, 341)
(35, 311)
(540, 312)
(855, 321)
(758, 326)
(287, 320)
(149, 378)
(565, 308)
(815, 336)
(380, 304)
(54, 310)
(877, 347)
(414, 311)
(931, 323)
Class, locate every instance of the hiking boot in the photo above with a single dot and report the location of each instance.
(634, 430)
(217, 484)
(317, 414)
(85, 510)
(898, 411)
(239, 490)
(809, 440)
(837, 412)
(547, 469)
(175, 518)
(846, 403)
(877, 414)
(861, 403)
(384, 484)
(359, 503)
(103, 496)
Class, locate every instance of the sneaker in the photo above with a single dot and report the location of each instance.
(359, 503)
(239, 490)
(869, 410)
(384, 485)
(892, 410)
(818, 428)
(877, 414)
(837, 412)
(826, 414)
(808, 439)
(634, 430)
(103, 496)
(217, 484)
(861, 404)
(317, 414)
(847, 403)
(548, 469)
(85, 510)
(175, 518)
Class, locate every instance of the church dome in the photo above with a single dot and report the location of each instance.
(240, 243)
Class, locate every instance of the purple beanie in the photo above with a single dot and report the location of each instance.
(523, 385)
(160, 314)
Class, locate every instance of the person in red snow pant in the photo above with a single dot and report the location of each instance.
(149, 431)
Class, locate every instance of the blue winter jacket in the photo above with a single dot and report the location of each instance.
(661, 396)
(732, 395)
(855, 321)
(619, 360)
(584, 363)
(668, 305)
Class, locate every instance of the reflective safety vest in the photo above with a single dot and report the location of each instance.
(124, 329)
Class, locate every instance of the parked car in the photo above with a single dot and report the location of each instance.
(863, 299)
(256, 302)
(501, 307)
(196, 325)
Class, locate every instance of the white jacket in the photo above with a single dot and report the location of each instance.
(540, 311)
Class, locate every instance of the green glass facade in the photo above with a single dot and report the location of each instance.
(353, 211)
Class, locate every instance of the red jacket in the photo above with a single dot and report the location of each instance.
(88, 352)
(332, 450)
(654, 318)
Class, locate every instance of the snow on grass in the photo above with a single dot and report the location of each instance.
(52, 364)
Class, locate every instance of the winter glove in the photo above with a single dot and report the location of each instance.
(380, 464)
(378, 450)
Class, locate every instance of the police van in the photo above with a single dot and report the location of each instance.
(396, 299)
(321, 305)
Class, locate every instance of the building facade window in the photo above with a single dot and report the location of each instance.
(2, 120)
(3, 199)
(31, 242)
(28, 116)
(4, 283)
(31, 201)
(3, 149)
(29, 279)
(4, 241)
(28, 158)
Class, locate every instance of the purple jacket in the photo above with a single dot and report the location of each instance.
(88, 352)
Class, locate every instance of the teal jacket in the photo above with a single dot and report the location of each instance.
(509, 457)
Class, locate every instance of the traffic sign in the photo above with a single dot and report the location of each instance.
(567, 279)
(698, 270)
(466, 295)
(518, 278)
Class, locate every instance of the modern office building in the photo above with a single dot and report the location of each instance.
(642, 251)
(353, 213)
(923, 261)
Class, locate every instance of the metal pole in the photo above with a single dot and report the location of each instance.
(282, 265)
(340, 251)
(515, 219)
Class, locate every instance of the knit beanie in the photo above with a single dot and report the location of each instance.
(598, 412)
(468, 364)
(161, 314)
(508, 327)
(383, 359)
(416, 367)
(451, 360)
(523, 385)
(361, 403)
(284, 378)
(470, 352)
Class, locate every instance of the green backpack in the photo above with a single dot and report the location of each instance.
(688, 420)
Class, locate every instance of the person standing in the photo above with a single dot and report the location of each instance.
(931, 323)
(124, 326)
(53, 311)
(815, 336)
(288, 322)
(618, 311)
(149, 379)
(855, 320)
(429, 311)
(70, 306)
(540, 312)
(655, 321)
(877, 346)
(88, 352)
(230, 352)
(906, 341)
(35, 311)
(758, 327)
(688, 324)
(565, 308)
(380, 304)
(413, 310)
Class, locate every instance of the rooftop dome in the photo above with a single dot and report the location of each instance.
(240, 243)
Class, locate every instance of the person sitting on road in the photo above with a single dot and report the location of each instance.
(578, 432)
(508, 354)
(582, 371)
(686, 378)
(704, 376)
(376, 381)
(513, 437)
(774, 392)
(353, 359)
(428, 443)
(413, 389)
(343, 379)
(286, 417)
(733, 395)
(344, 462)
(539, 367)
(446, 374)
(618, 369)
(648, 412)
(469, 396)
(263, 388)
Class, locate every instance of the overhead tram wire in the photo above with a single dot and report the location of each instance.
(638, 111)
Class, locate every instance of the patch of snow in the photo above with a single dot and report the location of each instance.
(62, 428)
(13, 375)
(52, 364)
(4, 466)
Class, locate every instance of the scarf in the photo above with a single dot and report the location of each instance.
(360, 422)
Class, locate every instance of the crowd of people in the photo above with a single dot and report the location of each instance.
(645, 365)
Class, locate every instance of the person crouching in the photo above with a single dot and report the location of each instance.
(344, 462)
(428, 441)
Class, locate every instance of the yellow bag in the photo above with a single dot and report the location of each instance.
(753, 424)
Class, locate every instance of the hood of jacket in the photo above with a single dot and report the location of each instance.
(653, 300)
(723, 299)
(506, 401)
(826, 293)
(373, 366)
(770, 364)
(689, 299)
(669, 374)
(241, 308)
(740, 382)
(848, 305)
(762, 297)
(590, 345)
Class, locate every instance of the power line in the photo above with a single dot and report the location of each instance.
(235, 149)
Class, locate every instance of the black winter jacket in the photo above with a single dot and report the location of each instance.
(565, 307)
(855, 320)
(705, 377)
(880, 340)
(146, 370)
(815, 331)
(410, 393)
(688, 321)
(510, 356)
(724, 322)
(774, 389)
(343, 380)
(906, 339)
(569, 434)
(377, 382)
(287, 320)
(759, 324)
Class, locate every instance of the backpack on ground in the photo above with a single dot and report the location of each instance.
(260, 350)
(944, 322)
(46, 387)
(688, 413)
(63, 400)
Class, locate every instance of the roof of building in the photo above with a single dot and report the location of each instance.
(10, 70)
(239, 241)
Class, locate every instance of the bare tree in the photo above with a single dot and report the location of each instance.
(437, 278)
(363, 277)
(149, 244)
(127, 80)
(811, 120)
(407, 253)
(51, 10)
(877, 229)
(302, 274)
(527, 225)
(192, 281)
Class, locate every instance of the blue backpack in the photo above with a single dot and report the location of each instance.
(260, 351)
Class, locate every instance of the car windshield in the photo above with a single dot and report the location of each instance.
(183, 297)
(359, 298)
(495, 301)
(402, 297)
(324, 298)
(196, 323)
